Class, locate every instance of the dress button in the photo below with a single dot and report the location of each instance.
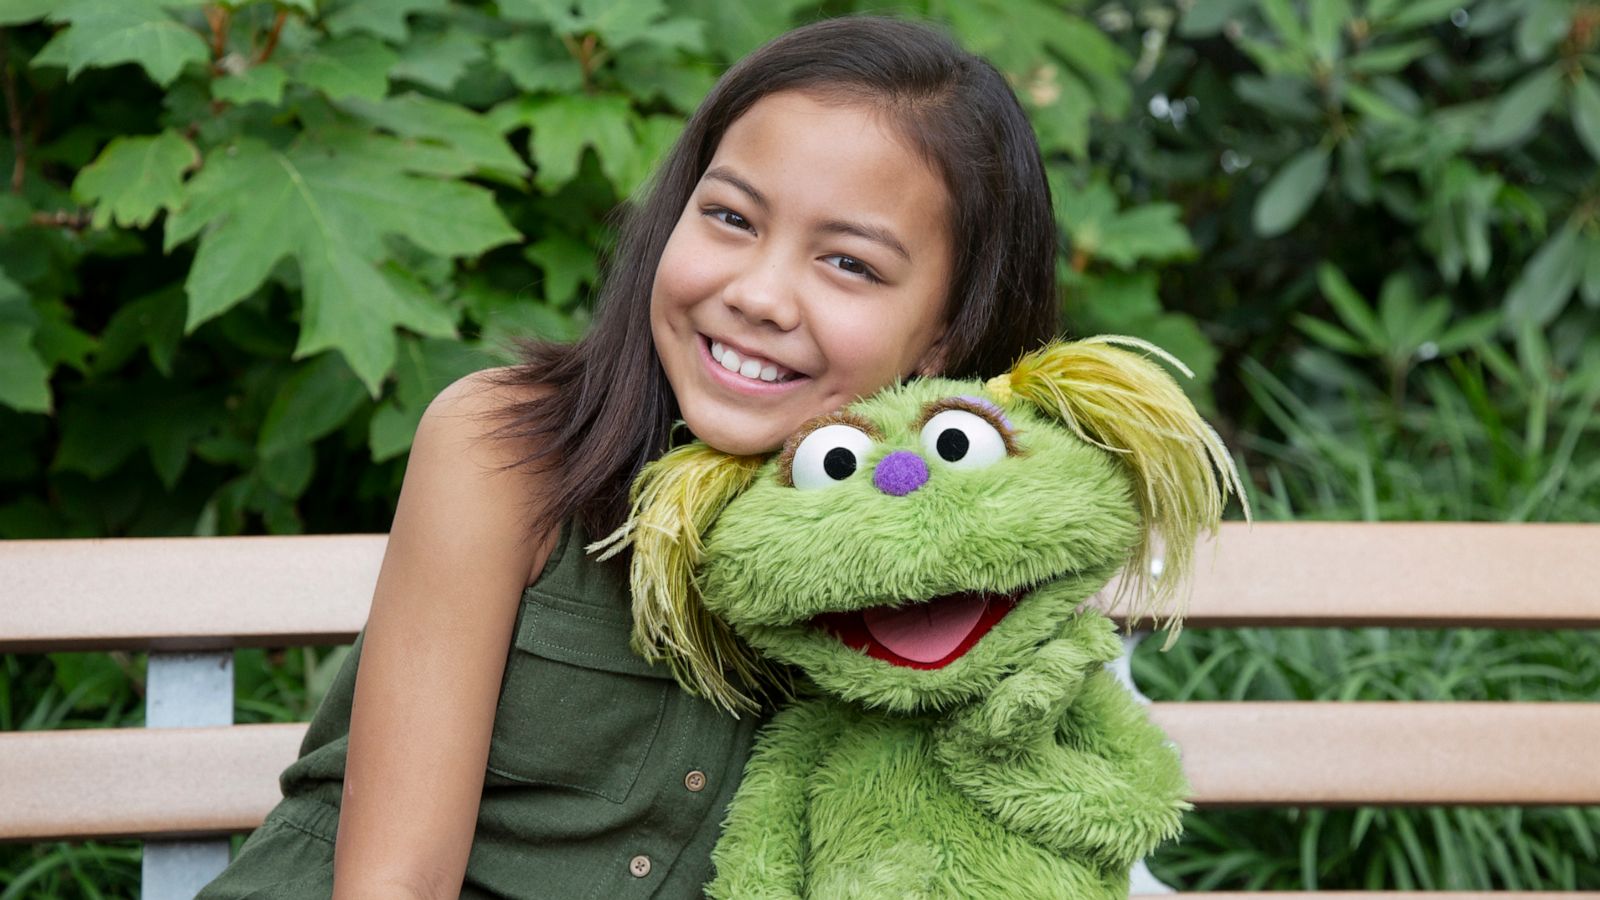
(695, 781)
(639, 866)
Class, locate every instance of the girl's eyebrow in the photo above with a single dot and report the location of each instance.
(872, 233)
(725, 175)
(868, 232)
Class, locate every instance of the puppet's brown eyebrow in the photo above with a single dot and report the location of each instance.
(842, 417)
(981, 408)
(727, 176)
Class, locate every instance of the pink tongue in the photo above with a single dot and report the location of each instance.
(926, 632)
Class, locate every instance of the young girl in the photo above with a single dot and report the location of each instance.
(857, 202)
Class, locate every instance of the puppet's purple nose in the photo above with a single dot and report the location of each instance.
(900, 473)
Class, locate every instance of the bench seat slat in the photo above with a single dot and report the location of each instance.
(1383, 894)
(198, 593)
(109, 783)
(173, 782)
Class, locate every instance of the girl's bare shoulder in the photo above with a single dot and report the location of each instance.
(463, 477)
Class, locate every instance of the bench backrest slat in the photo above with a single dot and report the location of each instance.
(195, 593)
(185, 593)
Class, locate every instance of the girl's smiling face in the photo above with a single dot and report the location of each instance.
(810, 267)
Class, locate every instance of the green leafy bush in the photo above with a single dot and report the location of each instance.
(243, 243)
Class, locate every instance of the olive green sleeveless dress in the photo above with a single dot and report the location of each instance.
(604, 778)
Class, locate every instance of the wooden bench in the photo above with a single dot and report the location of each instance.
(191, 778)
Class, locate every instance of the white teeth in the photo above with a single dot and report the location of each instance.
(753, 368)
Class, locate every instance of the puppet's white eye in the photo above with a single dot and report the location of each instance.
(828, 456)
(963, 440)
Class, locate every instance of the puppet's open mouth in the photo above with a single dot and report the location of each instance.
(926, 635)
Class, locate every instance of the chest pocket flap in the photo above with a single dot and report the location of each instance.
(578, 709)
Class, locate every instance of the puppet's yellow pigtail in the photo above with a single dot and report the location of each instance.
(1125, 403)
(675, 500)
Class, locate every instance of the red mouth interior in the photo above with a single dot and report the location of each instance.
(941, 614)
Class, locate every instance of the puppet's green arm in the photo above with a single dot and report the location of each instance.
(762, 850)
(1059, 751)
(1104, 785)
(1026, 705)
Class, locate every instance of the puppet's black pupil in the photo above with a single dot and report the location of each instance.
(952, 444)
(839, 463)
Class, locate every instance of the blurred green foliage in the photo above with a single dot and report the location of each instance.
(243, 243)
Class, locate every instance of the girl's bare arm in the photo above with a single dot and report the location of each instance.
(434, 651)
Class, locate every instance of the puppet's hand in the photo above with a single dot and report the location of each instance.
(1027, 705)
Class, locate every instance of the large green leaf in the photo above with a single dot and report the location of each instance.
(1291, 192)
(537, 62)
(1150, 232)
(315, 400)
(259, 83)
(1350, 306)
(564, 126)
(58, 339)
(384, 18)
(1518, 111)
(473, 137)
(1543, 23)
(1586, 114)
(19, 12)
(330, 210)
(106, 422)
(423, 369)
(1590, 285)
(1206, 17)
(356, 66)
(1545, 284)
(438, 59)
(24, 377)
(649, 73)
(1390, 58)
(105, 33)
(734, 29)
(136, 177)
(567, 262)
(617, 24)
(154, 321)
(1328, 21)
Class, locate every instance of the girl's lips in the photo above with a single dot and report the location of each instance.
(736, 382)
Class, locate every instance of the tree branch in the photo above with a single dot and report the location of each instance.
(218, 18)
(272, 36)
(13, 114)
(76, 221)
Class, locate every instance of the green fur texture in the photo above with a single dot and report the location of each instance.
(1021, 769)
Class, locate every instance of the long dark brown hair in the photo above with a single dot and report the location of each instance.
(604, 407)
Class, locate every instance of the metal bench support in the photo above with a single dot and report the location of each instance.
(186, 690)
(1141, 881)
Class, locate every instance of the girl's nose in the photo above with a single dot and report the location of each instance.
(764, 294)
(900, 473)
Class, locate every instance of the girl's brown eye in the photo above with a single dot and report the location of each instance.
(729, 217)
(855, 267)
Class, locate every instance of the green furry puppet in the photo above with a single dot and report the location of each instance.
(922, 559)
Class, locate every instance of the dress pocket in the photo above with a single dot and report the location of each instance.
(578, 711)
